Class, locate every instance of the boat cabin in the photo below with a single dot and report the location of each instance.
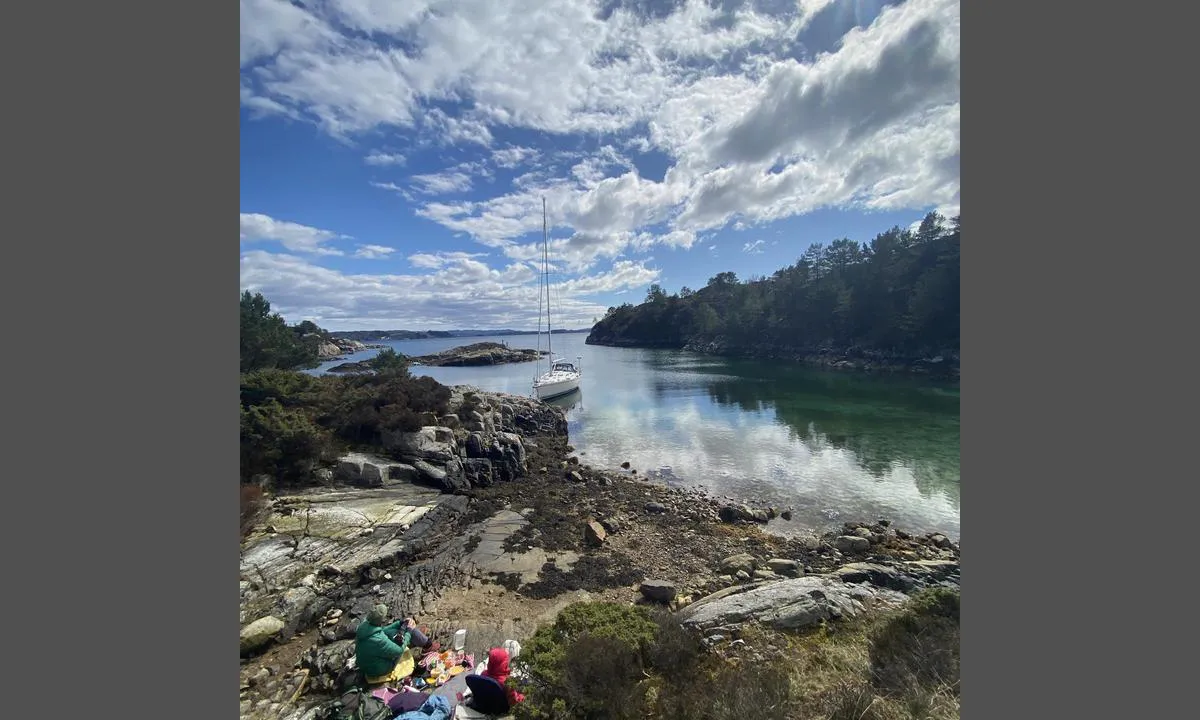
(564, 366)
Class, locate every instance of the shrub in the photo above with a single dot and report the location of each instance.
(588, 663)
(918, 647)
(281, 442)
(389, 361)
(288, 387)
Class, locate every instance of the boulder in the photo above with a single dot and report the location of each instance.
(791, 604)
(851, 544)
(661, 591)
(477, 447)
(296, 605)
(876, 574)
(260, 633)
(432, 443)
(741, 561)
(784, 566)
(478, 471)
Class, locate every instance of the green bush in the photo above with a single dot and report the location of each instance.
(589, 663)
(289, 388)
(281, 442)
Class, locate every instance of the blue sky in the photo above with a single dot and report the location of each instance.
(394, 156)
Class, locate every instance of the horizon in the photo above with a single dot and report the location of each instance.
(456, 330)
(394, 159)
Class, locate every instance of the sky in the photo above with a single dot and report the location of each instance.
(395, 155)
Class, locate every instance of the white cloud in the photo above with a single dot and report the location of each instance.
(442, 183)
(382, 159)
(752, 126)
(511, 157)
(754, 248)
(394, 188)
(373, 252)
(256, 227)
(440, 259)
(271, 26)
(458, 291)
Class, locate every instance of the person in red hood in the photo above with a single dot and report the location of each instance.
(497, 669)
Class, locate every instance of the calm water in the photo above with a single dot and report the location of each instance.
(834, 446)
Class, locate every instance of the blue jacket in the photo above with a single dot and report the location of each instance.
(435, 708)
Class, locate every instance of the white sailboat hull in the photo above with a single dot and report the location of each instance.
(551, 387)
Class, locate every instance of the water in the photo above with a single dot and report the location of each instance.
(834, 446)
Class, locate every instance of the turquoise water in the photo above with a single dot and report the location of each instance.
(834, 446)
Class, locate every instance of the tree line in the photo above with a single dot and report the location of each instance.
(896, 297)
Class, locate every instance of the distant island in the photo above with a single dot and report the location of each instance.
(891, 304)
(475, 355)
(377, 335)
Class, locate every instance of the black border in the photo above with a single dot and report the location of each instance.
(129, 429)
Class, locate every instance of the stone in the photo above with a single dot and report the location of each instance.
(260, 632)
(741, 561)
(876, 574)
(297, 603)
(786, 514)
(941, 541)
(594, 533)
(259, 677)
(863, 532)
(432, 443)
(478, 471)
(852, 544)
(784, 566)
(611, 526)
(574, 476)
(791, 604)
(655, 507)
(764, 575)
(742, 575)
(661, 591)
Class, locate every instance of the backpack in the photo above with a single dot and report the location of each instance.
(357, 705)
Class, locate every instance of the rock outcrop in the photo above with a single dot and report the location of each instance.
(790, 604)
(330, 348)
(484, 353)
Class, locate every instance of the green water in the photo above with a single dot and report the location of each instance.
(832, 445)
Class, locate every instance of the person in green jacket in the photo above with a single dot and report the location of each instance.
(381, 650)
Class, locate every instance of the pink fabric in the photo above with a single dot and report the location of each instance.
(385, 693)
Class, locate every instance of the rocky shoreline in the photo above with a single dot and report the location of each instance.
(484, 518)
(335, 348)
(855, 359)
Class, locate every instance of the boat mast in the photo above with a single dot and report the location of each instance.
(546, 271)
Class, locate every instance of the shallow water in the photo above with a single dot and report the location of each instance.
(832, 445)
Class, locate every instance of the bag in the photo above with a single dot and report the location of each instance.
(357, 705)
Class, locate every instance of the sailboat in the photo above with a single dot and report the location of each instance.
(563, 376)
